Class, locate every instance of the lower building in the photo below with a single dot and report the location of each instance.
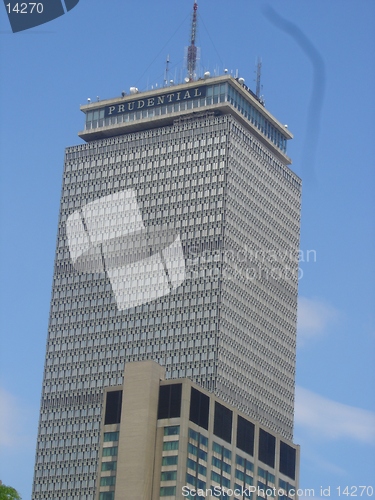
(171, 439)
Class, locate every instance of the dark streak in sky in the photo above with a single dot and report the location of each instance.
(317, 93)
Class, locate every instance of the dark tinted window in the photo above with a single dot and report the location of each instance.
(223, 422)
(245, 435)
(287, 460)
(267, 444)
(199, 408)
(169, 401)
(113, 407)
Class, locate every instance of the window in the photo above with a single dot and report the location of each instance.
(170, 445)
(172, 430)
(246, 464)
(287, 460)
(108, 481)
(245, 435)
(223, 481)
(110, 436)
(167, 491)
(190, 479)
(220, 464)
(267, 444)
(110, 452)
(216, 462)
(197, 452)
(168, 476)
(215, 477)
(191, 464)
(240, 475)
(223, 422)
(169, 405)
(203, 441)
(192, 449)
(113, 408)
(202, 470)
(199, 408)
(108, 495)
(172, 460)
(109, 466)
(193, 435)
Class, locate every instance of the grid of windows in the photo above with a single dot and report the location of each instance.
(211, 464)
(168, 475)
(196, 475)
(221, 465)
(288, 488)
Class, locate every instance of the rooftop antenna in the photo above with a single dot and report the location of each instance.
(259, 75)
(166, 71)
(192, 49)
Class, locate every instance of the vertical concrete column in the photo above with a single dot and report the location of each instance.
(136, 451)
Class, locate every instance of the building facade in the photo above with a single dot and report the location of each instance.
(177, 242)
(173, 439)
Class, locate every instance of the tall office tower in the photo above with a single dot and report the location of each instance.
(177, 242)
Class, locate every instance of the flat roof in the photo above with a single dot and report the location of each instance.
(194, 88)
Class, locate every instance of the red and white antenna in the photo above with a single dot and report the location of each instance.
(192, 49)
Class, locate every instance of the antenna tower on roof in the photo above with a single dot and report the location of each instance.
(166, 70)
(259, 75)
(192, 49)
(259, 86)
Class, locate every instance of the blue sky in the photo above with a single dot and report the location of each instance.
(319, 78)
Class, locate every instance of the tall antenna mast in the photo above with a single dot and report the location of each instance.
(166, 71)
(259, 75)
(192, 49)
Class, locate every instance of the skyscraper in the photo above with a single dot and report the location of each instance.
(177, 242)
